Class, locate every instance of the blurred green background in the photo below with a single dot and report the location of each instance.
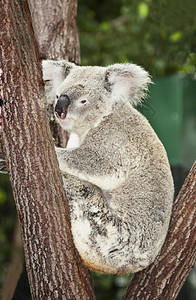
(159, 35)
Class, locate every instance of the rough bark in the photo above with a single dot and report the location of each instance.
(54, 268)
(57, 37)
(165, 277)
(54, 24)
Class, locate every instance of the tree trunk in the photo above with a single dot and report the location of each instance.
(54, 24)
(164, 278)
(54, 268)
(56, 33)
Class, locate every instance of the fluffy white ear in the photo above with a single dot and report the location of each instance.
(128, 82)
(54, 73)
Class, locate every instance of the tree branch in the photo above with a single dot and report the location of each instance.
(55, 29)
(54, 268)
(57, 38)
(165, 277)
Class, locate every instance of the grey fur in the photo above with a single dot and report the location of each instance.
(115, 170)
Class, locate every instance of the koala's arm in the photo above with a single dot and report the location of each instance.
(104, 164)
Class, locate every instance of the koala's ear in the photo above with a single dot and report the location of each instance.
(127, 81)
(54, 73)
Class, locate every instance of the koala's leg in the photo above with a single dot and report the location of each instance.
(103, 239)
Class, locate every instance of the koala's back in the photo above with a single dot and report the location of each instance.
(141, 205)
(149, 182)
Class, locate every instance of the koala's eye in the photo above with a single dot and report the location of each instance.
(57, 96)
(83, 101)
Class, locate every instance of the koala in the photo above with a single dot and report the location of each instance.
(115, 170)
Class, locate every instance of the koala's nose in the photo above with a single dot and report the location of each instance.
(61, 106)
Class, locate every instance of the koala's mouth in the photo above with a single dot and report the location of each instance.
(61, 115)
(68, 122)
(64, 117)
(60, 112)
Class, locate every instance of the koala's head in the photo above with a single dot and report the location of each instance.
(84, 95)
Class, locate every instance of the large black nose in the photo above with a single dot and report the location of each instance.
(61, 106)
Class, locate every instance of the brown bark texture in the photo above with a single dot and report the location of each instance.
(57, 37)
(55, 28)
(54, 268)
(164, 278)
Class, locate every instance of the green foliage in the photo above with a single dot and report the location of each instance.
(159, 35)
(2, 197)
(110, 287)
(143, 9)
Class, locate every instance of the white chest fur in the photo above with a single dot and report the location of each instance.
(74, 141)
